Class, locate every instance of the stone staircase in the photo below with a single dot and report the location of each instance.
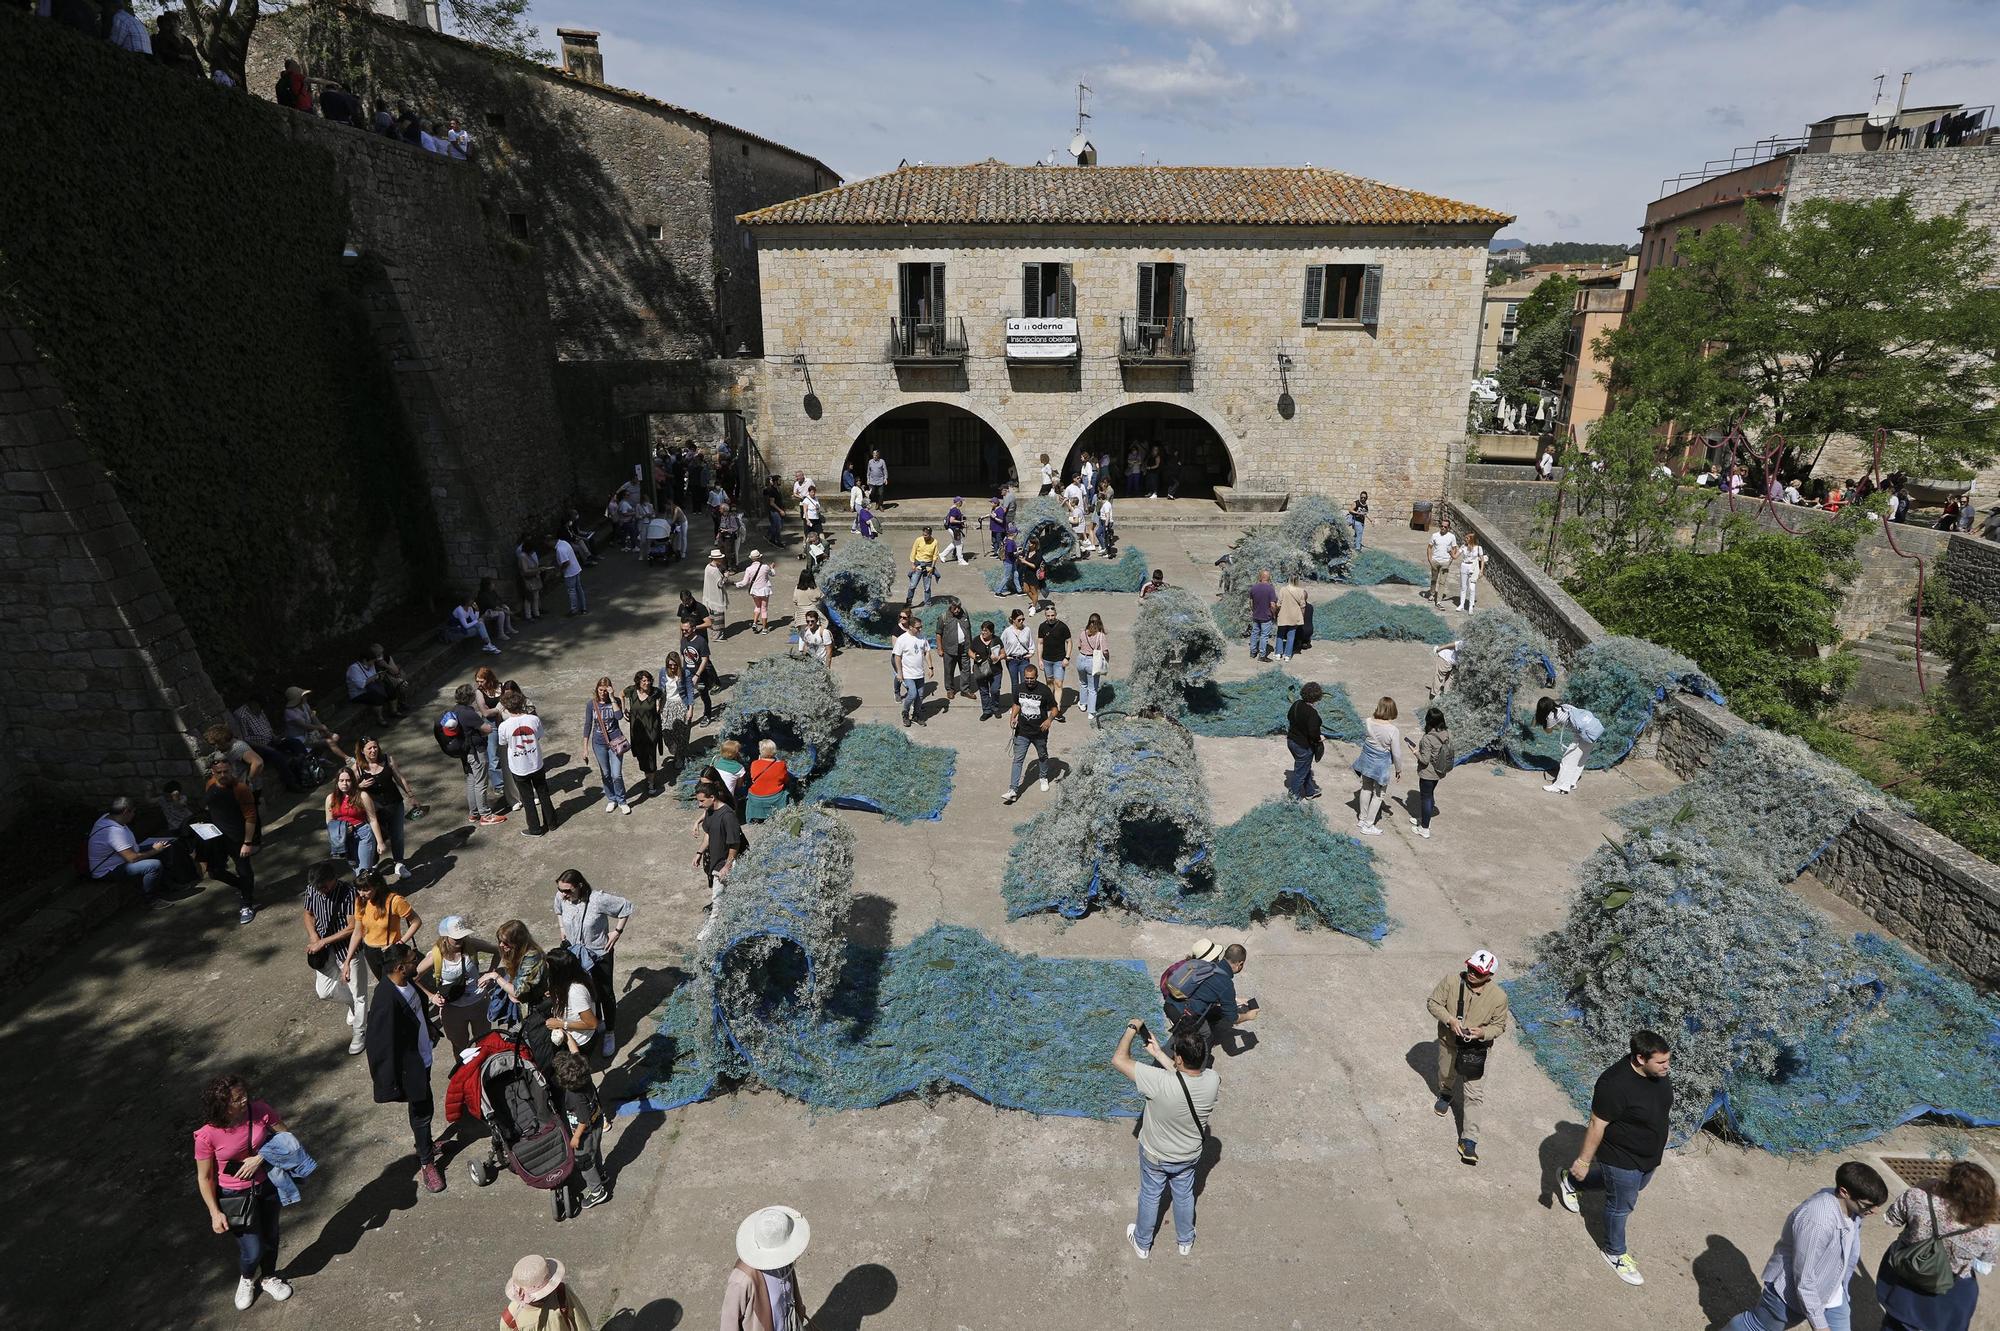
(1887, 673)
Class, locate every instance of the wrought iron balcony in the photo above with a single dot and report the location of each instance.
(927, 341)
(1155, 341)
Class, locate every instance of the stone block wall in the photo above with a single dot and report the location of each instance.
(1921, 886)
(1380, 409)
(105, 689)
(1974, 567)
(745, 174)
(458, 314)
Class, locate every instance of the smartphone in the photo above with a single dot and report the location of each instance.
(1142, 1037)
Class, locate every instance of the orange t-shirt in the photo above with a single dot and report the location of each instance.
(381, 924)
(767, 776)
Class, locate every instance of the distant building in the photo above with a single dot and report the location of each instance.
(1277, 329)
(1603, 299)
(1498, 321)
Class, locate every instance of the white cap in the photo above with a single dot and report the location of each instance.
(1482, 962)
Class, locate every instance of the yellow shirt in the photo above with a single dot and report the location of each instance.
(924, 550)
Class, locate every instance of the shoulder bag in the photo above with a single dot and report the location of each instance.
(239, 1207)
(1924, 1266)
(618, 744)
(1188, 1095)
(1468, 1058)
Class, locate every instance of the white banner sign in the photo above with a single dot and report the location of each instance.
(1041, 339)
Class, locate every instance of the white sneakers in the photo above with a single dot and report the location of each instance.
(246, 1292)
(625, 809)
(611, 806)
(1045, 783)
(1010, 797)
(1424, 832)
(1131, 1237)
(1369, 829)
(359, 1042)
(277, 1289)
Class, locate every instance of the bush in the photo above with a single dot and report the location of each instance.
(1356, 615)
(1174, 650)
(1499, 657)
(854, 582)
(881, 770)
(790, 700)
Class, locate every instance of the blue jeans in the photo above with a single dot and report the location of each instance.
(494, 779)
(923, 575)
(1014, 669)
(257, 1246)
(1155, 1177)
(146, 871)
(573, 584)
(346, 842)
(1359, 527)
(912, 693)
(1105, 536)
(1287, 636)
(1040, 741)
(1299, 781)
(612, 767)
(1260, 637)
(1427, 805)
(1772, 1313)
(288, 1161)
(1621, 1193)
(1086, 684)
(989, 696)
(1053, 674)
(1010, 577)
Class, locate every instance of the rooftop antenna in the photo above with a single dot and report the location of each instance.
(1080, 147)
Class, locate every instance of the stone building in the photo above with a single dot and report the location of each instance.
(1281, 329)
(1602, 301)
(630, 201)
(1498, 321)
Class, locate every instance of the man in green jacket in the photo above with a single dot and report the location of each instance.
(1471, 1014)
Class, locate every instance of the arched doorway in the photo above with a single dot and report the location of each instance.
(1182, 436)
(934, 450)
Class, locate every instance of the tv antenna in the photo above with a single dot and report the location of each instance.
(1080, 149)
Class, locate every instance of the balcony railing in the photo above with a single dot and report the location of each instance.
(927, 341)
(1155, 341)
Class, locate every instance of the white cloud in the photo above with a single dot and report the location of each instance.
(1166, 86)
(1235, 21)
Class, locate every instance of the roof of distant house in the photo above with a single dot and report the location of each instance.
(1517, 289)
(993, 193)
(557, 72)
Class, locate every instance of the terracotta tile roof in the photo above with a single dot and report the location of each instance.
(997, 194)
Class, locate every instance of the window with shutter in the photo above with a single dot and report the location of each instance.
(1371, 295)
(937, 293)
(1031, 290)
(1315, 284)
(1065, 293)
(1345, 293)
(1145, 308)
(1178, 291)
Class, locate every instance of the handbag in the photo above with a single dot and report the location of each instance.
(618, 744)
(1924, 1266)
(1468, 1059)
(239, 1209)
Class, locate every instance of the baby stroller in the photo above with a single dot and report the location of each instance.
(526, 1126)
(659, 542)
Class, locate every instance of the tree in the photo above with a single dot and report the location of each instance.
(221, 30)
(1614, 506)
(1541, 338)
(1849, 317)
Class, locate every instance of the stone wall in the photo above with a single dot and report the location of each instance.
(1378, 408)
(1921, 886)
(1882, 592)
(746, 174)
(105, 689)
(1974, 567)
(457, 312)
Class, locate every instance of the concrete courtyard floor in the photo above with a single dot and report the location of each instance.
(1337, 1198)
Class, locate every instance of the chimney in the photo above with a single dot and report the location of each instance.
(581, 58)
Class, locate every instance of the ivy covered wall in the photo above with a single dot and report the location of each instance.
(177, 258)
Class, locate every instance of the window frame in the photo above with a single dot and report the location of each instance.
(1066, 287)
(1319, 283)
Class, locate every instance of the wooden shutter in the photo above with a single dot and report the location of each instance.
(1315, 286)
(937, 293)
(1144, 309)
(1065, 293)
(1371, 295)
(1031, 290)
(1180, 292)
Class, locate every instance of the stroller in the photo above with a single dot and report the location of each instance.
(526, 1125)
(659, 542)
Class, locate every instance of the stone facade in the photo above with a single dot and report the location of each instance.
(1377, 408)
(1974, 568)
(458, 314)
(1921, 886)
(106, 690)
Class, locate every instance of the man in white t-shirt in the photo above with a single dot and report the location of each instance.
(1443, 546)
(571, 569)
(1180, 1096)
(913, 667)
(521, 741)
(114, 852)
(1545, 465)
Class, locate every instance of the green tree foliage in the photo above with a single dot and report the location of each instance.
(1541, 338)
(221, 30)
(1955, 753)
(1573, 251)
(1849, 317)
(1755, 613)
(1615, 505)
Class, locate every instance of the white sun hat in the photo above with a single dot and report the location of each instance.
(773, 1238)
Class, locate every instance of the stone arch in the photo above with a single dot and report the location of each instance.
(1227, 436)
(960, 402)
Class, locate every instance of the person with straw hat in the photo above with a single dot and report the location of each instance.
(763, 1292)
(538, 1299)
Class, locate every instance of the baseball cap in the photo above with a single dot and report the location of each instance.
(453, 926)
(1482, 962)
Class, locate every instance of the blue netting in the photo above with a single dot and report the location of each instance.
(880, 770)
(1370, 567)
(1621, 681)
(857, 578)
(1501, 658)
(1243, 708)
(1044, 521)
(789, 700)
(950, 1009)
(1357, 614)
(1126, 573)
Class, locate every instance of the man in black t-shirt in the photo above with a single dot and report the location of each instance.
(1054, 636)
(1624, 1143)
(1033, 713)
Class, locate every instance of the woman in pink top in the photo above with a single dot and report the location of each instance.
(230, 1173)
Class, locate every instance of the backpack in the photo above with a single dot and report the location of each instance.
(450, 734)
(1183, 978)
(1924, 1266)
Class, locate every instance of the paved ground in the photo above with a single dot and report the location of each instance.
(1337, 1199)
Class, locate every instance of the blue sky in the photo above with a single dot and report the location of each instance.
(1565, 114)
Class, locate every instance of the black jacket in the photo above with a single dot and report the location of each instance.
(395, 1050)
(1302, 727)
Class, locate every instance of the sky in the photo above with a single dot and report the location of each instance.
(1566, 114)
